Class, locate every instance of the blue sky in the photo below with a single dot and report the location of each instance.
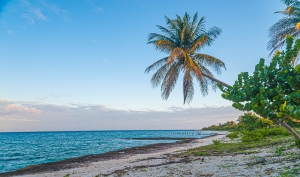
(60, 58)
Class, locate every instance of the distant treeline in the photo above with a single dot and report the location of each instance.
(248, 121)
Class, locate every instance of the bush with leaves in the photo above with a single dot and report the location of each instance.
(250, 121)
(260, 134)
(273, 91)
(233, 135)
(227, 126)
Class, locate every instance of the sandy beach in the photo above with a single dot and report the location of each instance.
(165, 161)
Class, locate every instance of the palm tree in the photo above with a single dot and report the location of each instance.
(288, 25)
(181, 39)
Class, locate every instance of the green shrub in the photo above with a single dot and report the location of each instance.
(216, 142)
(250, 121)
(199, 153)
(278, 131)
(259, 134)
(233, 135)
(297, 141)
(253, 136)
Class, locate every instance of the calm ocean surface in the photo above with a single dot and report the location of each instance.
(18, 150)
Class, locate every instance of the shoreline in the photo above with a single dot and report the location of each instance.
(87, 160)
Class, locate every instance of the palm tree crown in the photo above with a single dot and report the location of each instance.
(181, 39)
(288, 25)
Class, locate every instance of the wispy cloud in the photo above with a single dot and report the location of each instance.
(40, 10)
(55, 9)
(99, 117)
(38, 13)
(96, 9)
(9, 32)
(53, 95)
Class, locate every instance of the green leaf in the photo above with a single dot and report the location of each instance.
(284, 105)
(279, 114)
(297, 68)
(291, 108)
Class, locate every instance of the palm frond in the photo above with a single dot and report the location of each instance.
(282, 25)
(173, 25)
(195, 19)
(159, 75)
(170, 34)
(208, 60)
(291, 2)
(203, 84)
(278, 41)
(188, 87)
(206, 39)
(212, 34)
(200, 27)
(290, 10)
(205, 81)
(156, 65)
(176, 53)
(188, 61)
(204, 70)
(170, 80)
(210, 82)
(155, 37)
(197, 71)
(161, 42)
(288, 25)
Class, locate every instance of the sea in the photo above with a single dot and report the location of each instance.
(20, 149)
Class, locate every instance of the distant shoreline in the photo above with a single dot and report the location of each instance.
(83, 161)
(60, 131)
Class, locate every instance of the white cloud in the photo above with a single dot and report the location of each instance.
(37, 10)
(11, 109)
(46, 117)
(9, 32)
(54, 8)
(96, 8)
(38, 13)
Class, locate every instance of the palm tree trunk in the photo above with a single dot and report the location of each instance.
(292, 131)
(216, 80)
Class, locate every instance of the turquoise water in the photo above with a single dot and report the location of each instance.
(18, 150)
